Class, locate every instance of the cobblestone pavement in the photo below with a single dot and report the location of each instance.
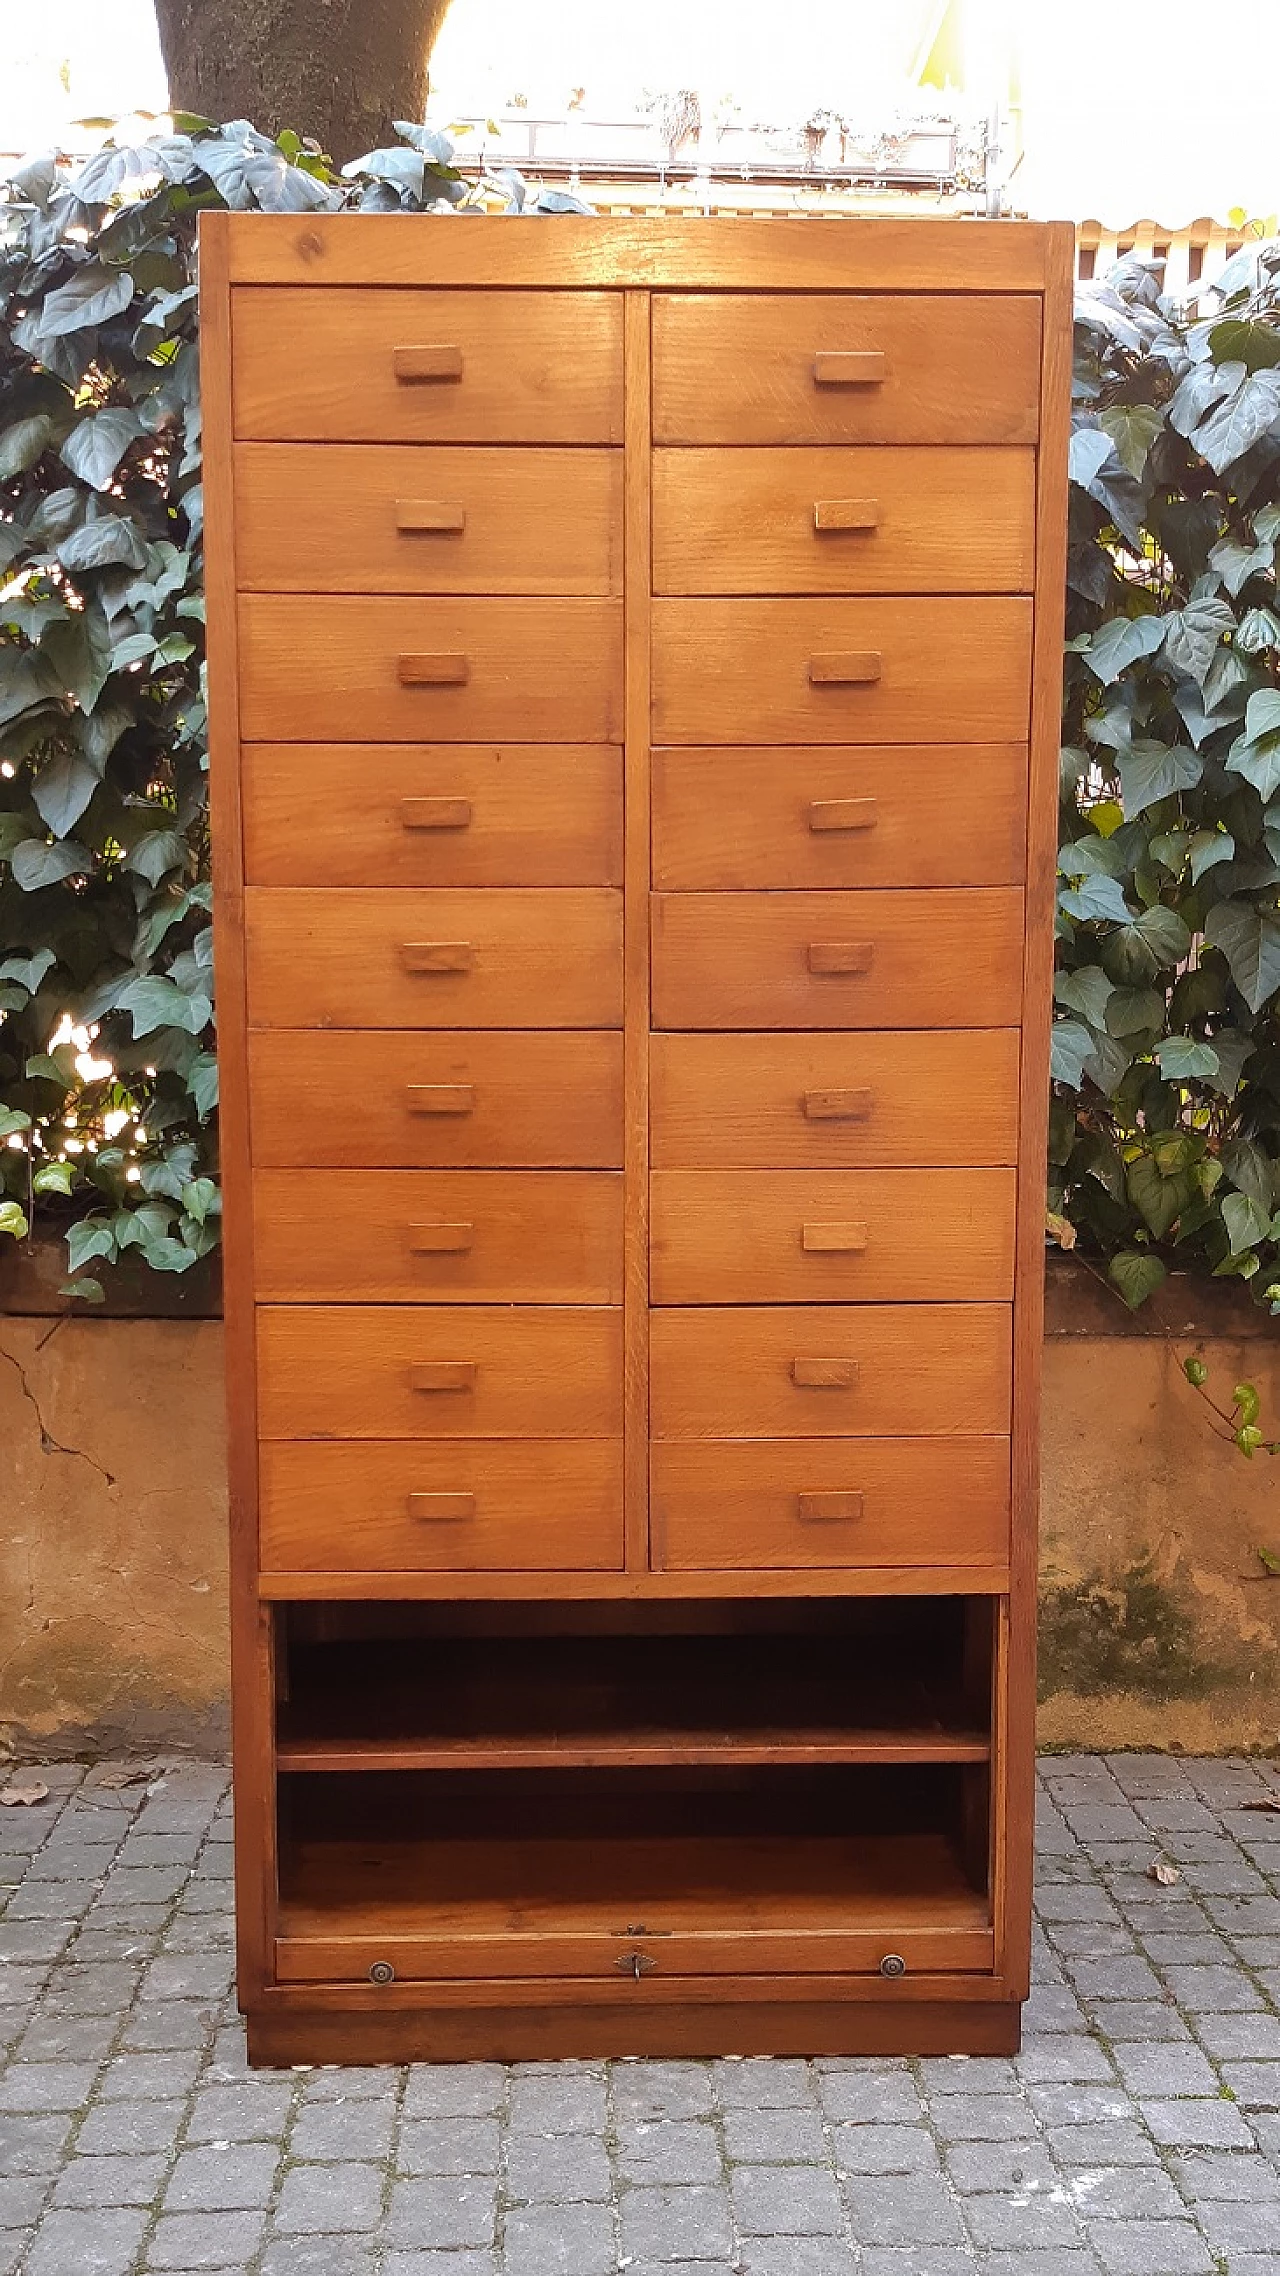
(1138, 2134)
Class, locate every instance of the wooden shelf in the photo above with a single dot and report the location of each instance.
(626, 1702)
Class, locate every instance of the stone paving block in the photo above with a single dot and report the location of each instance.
(672, 2149)
(661, 2090)
(104, 1988)
(451, 2090)
(217, 2179)
(977, 2168)
(1125, 2192)
(1232, 2227)
(966, 2074)
(129, 2180)
(1212, 1991)
(328, 2199)
(67, 2038)
(983, 2118)
(1051, 2008)
(1105, 2141)
(1205, 2125)
(1020, 2222)
(418, 2264)
(850, 2095)
(1236, 2037)
(782, 2256)
(21, 2199)
(187, 1976)
(448, 2145)
(249, 2110)
(775, 2137)
(1063, 2060)
(86, 2244)
(1255, 2085)
(676, 2224)
(559, 2240)
(168, 2026)
(930, 2260)
(561, 2101)
(358, 2129)
(148, 2078)
(1150, 2248)
(443, 2213)
(119, 2128)
(914, 2209)
(1127, 1977)
(1058, 2105)
(1240, 2176)
(190, 2241)
(885, 2149)
(1164, 2070)
(333, 2256)
(1138, 2019)
(37, 2087)
(13, 2243)
(786, 2201)
(51, 1900)
(762, 2083)
(550, 2169)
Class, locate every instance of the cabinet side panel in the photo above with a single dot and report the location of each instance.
(1016, 1712)
(636, 429)
(251, 1654)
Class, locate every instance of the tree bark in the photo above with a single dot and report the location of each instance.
(338, 70)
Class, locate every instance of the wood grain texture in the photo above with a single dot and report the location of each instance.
(832, 1371)
(636, 939)
(401, 518)
(730, 1502)
(532, 816)
(867, 1100)
(734, 820)
(352, 1371)
(346, 1236)
(536, 367)
(934, 959)
(531, 1503)
(957, 369)
(403, 1100)
(953, 670)
(823, 520)
(317, 666)
(737, 1236)
(385, 957)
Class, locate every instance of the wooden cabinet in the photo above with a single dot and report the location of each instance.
(634, 691)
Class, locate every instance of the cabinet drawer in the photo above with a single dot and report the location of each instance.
(831, 1502)
(440, 670)
(954, 670)
(422, 1371)
(834, 1101)
(352, 518)
(843, 521)
(438, 1236)
(445, 814)
(831, 1371)
(726, 821)
(844, 367)
(938, 959)
(832, 1236)
(397, 1100)
(420, 365)
(469, 1507)
(390, 958)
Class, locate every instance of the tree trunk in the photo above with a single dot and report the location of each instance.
(338, 70)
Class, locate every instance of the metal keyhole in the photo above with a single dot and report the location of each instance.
(382, 1972)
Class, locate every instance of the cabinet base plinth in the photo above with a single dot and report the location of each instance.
(286, 2036)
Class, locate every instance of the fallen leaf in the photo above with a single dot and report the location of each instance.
(1270, 1803)
(23, 1791)
(125, 1774)
(1166, 1874)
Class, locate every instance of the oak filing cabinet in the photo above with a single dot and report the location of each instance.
(634, 694)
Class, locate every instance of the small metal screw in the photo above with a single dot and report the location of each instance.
(382, 1972)
(893, 1964)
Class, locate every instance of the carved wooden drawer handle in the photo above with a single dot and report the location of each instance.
(427, 515)
(825, 1374)
(842, 814)
(438, 956)
(412, 366)
(849, 367)
(434, 1507)
(841, 955)
(433, 671)
(843, 1508)
(441, 1098)
(850, 1105)
(823, 1239)
(443, 1375)
(440, 1240)
(435, 813)
(845, 513)
(855, 669)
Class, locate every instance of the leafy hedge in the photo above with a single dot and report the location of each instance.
(108, 1079)
(1165, 1128)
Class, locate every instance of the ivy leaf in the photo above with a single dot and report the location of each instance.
(1136, 1275)
(22, 444)
(1251, 944)
(1207, 848)
(13, 1121)
(61, 791)
(109, 542)
(1070, 1045)
(199, 1198)
(1122, 642)
(53, 1177)
(1236, 564)
(155, 853)
(91, 1237)
(88, 1291)
(1132, 1011)
(1182, 1060)
(202, 1083)
(1240, 420)
(1231, 1049)
(1245, 1222)
(1085, 991)
(13, 1220)
(1096, 900)
(29, 971)
(92, 296)
(1158, 1199)
(95, 446)
(155, 1002)
(1192, 634)
(36, 864)
(1152, 771)
(1133, 428)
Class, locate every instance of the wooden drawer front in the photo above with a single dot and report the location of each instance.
(844, 521)
(832, 1371)
(388, 958)
(686, 1959)
(879, 1101)
(471, 1507)
(442, 670)
(401, 1101)
(421, 366)
(831, 1236)
(939, 959)
(457, 1371)
(438, 1236)
(447, 814)
(830, 1502)
(726, 821)
(844, 368)
(349, 518)
(835, 671)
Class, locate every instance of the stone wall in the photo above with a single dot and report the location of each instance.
(1160, 1626)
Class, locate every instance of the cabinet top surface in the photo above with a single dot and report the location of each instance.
(786, 253)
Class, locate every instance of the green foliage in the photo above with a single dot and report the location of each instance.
(108, 1076)
(1165, 1124)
